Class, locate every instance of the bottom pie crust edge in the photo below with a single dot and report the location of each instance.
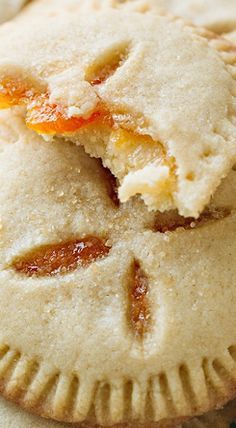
(95, 404)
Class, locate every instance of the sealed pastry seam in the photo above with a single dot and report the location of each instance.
(118, 88)
(44, 390)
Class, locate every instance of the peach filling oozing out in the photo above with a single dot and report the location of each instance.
(61, 258)
(43, 116)
(47, 118)
(13, 92)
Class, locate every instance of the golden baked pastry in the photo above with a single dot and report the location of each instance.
(109, 313)
(216, 15)
(131, 88)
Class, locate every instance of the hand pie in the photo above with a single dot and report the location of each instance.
(109, 313)
(149, 95)
(216, 15)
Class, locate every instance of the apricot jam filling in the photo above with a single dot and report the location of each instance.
(46, 118)
(61, 258)
(139, 309)
(13, 92)
(43, 116)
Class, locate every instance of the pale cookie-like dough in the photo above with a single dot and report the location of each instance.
(141, 333)
(166, 127)
(9, 8)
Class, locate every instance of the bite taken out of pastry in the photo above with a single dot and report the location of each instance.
(151, 96)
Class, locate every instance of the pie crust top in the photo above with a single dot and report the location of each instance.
(109, 313)
(132, 88)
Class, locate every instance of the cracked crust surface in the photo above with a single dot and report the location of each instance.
(170, 133)
(143, 334)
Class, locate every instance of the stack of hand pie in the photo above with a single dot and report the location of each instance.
(118, 213)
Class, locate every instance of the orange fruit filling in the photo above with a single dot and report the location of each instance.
(43, 116)
(13, 92)
(62, 258)
(46, 118)
(139, 310)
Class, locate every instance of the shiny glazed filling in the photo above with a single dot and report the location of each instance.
(43, 116)
(50, 260)
(139, 308)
